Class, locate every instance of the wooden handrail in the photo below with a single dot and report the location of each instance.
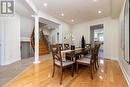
(32, 39)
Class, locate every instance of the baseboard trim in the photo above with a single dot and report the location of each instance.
(125, 73)
(111, 58)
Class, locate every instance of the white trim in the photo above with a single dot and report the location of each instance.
(25, 39)
(111, 58)
(125, 73)
(36, 62)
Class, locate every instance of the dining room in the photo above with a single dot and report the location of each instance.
(70, 66)
(76, 43)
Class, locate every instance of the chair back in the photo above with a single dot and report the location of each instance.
(97, 47)
(66, 46)
(88, 46)
(56, 53)
(61, 46)
(93, 55)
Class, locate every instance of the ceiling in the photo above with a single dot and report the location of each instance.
(80, 10)
(23, 8)
(49, 24)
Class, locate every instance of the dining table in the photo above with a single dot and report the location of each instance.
(74, 54)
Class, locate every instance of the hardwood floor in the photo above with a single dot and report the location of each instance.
(109, 75)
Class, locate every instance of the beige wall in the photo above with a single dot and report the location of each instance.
(111, 35)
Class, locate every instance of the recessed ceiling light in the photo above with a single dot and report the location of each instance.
(45, 4)
(72, 20)
(62, 14)
(95, 0)
(99, 12)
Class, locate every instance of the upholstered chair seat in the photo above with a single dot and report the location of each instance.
(64, 63)
(84, 60)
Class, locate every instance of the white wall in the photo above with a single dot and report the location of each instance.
(10, 39)
(45, 31)
(26, 28)
(111, 35)
(48, 33)
(66, 32)
(53, 35)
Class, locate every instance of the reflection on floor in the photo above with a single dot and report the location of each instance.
(109, 75)
(9, 72)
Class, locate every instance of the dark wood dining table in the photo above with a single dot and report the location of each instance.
(75, 54)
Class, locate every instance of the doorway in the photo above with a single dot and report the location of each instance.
(97, 37)
(26, 50)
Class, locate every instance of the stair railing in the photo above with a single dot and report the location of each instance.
(32, 39)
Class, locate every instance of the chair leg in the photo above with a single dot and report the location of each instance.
(91, 70)
(94, 68)
(96, 65)
(61, 76)
(77, 67)
(53, 71)
(72, 70)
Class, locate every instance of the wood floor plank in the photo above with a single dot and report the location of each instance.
(108, 75)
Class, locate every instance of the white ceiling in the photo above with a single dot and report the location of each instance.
(23, 8)
(49, 24)
(80, 10)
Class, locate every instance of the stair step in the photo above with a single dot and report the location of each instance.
(43, 50)
(42, 46)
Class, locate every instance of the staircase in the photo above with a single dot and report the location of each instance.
(42, 42)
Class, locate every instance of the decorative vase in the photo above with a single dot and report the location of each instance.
(83, 42)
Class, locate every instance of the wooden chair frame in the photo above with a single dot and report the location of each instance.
(56, 52)
(92, 62)
(66, 46)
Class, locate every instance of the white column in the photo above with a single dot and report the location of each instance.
(36, 61)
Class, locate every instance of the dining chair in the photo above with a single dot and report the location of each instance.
(97, 58)
(88, 46)
(61, 46)
(57, 61)
(88, 61)
(96, 65)
(66, 46)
